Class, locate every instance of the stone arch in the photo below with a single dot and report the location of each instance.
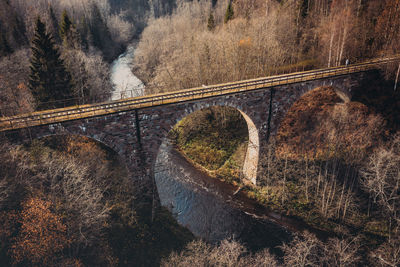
(282, 105)
(101, 142)
(298, 126)
(250, 165)
(79, 135)
(81, 128)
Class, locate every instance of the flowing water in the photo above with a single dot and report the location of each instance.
(125, 83)
(206, 206)
(209, 208)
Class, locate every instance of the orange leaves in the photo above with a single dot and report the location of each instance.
(83, 148)
(42, 234)
(245, 42)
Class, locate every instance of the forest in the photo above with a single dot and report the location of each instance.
(85, 37)
(203, 43)
(334, 164)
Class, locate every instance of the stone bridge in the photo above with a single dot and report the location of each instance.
(136, 127)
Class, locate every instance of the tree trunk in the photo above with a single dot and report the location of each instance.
(359, 8)
(397, 77)
(307, 178)
(330, 48)
(284, 180)
(319, 179)
(343, 43)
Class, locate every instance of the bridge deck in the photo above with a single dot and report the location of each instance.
(92, 110)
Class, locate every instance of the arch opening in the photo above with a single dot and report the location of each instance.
(78, 145)
(221, 140)
(300, 127)
(324, 120)
(320, 144)
(198, 201)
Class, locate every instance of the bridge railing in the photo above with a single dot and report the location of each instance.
(84, 111)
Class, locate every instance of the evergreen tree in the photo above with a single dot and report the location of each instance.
(49, 81)
(65, 25)
(211, 22)
(100, 35)
(19, 33)
(304, 6)
(84, 33)
(229, 12)
(68, 32)
(5, 48)
(54, 24)
(214, 2)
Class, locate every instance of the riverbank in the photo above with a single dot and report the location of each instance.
(213, 209)
(238, 196)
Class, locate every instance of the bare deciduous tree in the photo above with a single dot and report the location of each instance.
(307, 250)
(121, 30)
(381, 178)
(304, 250)
(388, 254)
(342, 252)
(226, 253)
(90, 75)
(15, 97)
(261, 259)
(179, 51)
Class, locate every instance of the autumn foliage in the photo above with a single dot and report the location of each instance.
(55, 206)
(42, 236)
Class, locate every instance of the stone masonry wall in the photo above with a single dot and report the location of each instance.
(136, 135)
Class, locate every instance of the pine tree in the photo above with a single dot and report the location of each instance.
(229, 12)
(68, 33)
(84, 33)
(100, 34)
(54, 24)
(49, 81)
(5, 48)
(65, 25)
(19, 32)
(211, 22)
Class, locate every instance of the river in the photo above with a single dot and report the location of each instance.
(209, 208)
(125, 83)
(206, 206)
